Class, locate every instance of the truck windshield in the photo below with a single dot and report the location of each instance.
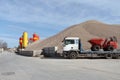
(69, 42)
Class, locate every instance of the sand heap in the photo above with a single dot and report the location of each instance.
(85, 31)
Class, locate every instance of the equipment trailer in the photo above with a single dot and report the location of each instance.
(72, 49)
(92, 54)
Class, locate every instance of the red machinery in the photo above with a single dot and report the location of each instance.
(23, 41)
(35, 37)
(108, 44)
(20, 41)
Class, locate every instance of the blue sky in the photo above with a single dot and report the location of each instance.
(48, 17)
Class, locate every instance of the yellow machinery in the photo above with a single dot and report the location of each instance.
(25, 39)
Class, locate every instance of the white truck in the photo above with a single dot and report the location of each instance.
(72, 49)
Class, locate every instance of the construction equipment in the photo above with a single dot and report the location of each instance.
(20, 42)
(24, 40)
(72, 48)
(35, 37)
(108, 44)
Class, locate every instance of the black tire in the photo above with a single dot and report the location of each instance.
(118, 56)
(66, 56)
(108, 56)
(110, 48)
(95, 48)
(73, 55)
(105, 49)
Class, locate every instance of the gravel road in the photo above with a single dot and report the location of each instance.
(16, 67)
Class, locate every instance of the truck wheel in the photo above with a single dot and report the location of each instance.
(95, 48)
(108, 56)
(73, 55)
(66, 56)
(110, 48)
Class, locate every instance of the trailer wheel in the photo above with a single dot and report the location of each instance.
(95, 48)
(110, 48)
(118, 56)
(108, 56)
(73, 55)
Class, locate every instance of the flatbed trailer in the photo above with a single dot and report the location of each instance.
(73, 54)
(72, 49)
(106, 54)
(92, 54)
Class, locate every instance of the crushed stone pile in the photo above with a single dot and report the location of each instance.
(85, 31)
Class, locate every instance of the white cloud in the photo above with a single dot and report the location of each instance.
(41, 16)
(111, 5)
(56, 12)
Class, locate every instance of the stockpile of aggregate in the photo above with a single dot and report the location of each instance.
(85, 31)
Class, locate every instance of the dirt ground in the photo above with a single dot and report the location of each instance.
(16, 67)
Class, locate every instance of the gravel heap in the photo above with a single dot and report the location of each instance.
(85, 31)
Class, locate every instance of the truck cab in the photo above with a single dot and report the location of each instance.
(71, 44)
